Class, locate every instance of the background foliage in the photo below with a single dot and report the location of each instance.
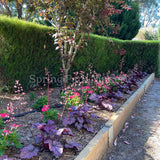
(101, 52)
(128, 22)
(26, 49)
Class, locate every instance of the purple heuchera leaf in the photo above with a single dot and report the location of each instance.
(93, 115)
(118, 95)
(29, 152)
(50, 127)
(3, 157)
(67, 131)
(55, 146)
(85, 108)
(38, 139)
(38, 125)
(64, 131)
(78, 125)
(89, 127)
(68, 121)
(94, 97)
(89, 121)
(107, 106)
(80, 120)
(71, 144)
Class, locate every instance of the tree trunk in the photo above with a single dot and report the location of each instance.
(19, 10)
(65, 78)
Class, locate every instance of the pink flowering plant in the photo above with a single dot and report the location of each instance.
(3, 114)
(71, 98)
(49, 114)
(9, 138)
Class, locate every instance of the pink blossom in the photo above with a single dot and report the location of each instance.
(99, 85)
(86, 87)
(45, 108)
(3, 115)
(10, 109)
(15, 125)
(7, 131)
(71, 97)
(90, 92)
(42, 93)
(76, 94)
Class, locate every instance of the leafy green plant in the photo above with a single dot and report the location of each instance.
(1, 122)
(32, 96)
(9, 138)
(71, 99)
(50, 114)
(40, 103)
(3, 114)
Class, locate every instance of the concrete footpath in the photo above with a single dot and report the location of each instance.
(140, 137)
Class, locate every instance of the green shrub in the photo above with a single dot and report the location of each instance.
(40, 102)
(26, 49)
(50, 114)
(101, 52)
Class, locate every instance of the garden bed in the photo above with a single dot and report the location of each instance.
(82, 136)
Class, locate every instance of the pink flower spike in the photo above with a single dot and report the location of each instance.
(7, 131)
(45, 108)
(90, 92)
(15, 125)
(71, 97)
(76, 94)
(109, 88)
(99, 85)
(3, 115)
(86, 87)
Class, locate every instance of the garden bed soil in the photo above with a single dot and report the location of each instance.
(27, 133)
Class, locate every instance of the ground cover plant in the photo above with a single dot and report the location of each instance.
(88, 94)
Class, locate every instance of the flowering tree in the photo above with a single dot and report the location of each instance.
(74, 18)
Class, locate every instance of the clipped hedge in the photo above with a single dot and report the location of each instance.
(101, 52)
(26, 49)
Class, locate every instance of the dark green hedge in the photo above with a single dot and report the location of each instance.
(100, 51)
(22, 53)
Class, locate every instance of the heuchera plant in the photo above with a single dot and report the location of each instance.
(40, 103)
(51, 138)
(3, 114)
(51, 114)
(71, 98)
(80, 118)
(9, 138)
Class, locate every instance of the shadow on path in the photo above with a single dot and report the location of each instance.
(141, 140)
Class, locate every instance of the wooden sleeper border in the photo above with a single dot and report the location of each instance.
(104, 139)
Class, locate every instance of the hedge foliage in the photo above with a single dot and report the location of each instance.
(101, 52)
(26, 49)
